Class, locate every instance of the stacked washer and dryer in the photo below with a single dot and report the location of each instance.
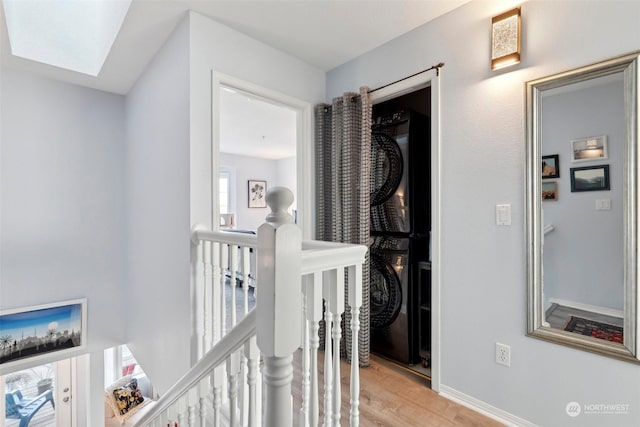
(400, 225)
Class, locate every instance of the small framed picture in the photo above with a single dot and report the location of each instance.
(549, 191)
(589, 149)
(551, 166)
(33, 333)
(257, 193)
(590, 178)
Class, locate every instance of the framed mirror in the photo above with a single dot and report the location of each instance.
(581, 208)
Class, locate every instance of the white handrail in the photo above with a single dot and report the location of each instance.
(298, 283)
(231, 342)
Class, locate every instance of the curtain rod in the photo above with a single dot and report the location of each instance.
(435, 67)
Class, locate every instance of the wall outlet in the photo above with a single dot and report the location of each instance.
(503, 354)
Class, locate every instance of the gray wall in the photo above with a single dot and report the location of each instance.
(62, 199)
(482, 117)
(583, 257)
(158, 214)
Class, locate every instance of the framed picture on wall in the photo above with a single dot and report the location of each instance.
(590, 178)
(551, 166)
(257, 192)
(549, 191)
(589, 149)
(37, 331)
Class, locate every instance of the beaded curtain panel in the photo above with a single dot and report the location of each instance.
(343, 169)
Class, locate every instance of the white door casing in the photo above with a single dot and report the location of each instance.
(428, 78)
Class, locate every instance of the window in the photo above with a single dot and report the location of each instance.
(224, 187)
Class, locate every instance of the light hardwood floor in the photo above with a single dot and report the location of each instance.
(393, 397)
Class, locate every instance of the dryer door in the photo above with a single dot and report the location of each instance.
(385, 292)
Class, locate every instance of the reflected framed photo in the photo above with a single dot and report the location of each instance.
(589, 149)
(257, 191)
(34, 333)
(551, 166)
(590, 178)
(549, 191)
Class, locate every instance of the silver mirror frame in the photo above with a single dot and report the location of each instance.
(630, 349)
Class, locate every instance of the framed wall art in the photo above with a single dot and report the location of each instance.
(549, 191)
(551, 166)
(589, 149)
(590, 178)
(257, 193)
(36, 332)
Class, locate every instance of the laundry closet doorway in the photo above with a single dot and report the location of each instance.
(421, 93)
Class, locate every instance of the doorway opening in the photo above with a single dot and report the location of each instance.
(40, 396)
(260, 139)
(406, 113)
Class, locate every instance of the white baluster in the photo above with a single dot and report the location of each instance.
(198, 314)
(217, 395)
(336, 301)
(314, 314)
(206, 295)
(233, 368)
(203, 410)
(218, 283)
(182, 407)
(328, 367)
(233, 281)
(280, 306)
(246, 272)
(355, 301)
(244, 390)
(306, 387)
(224, 263)
(192, 415)
(251, 350)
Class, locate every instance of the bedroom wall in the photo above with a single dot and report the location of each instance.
(280, 172)
(482, 113)
(62, 204)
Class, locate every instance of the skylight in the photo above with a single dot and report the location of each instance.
(72, 34)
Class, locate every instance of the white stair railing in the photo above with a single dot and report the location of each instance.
(293, 278)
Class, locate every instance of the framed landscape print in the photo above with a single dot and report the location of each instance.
(549, 191)
(37, 331)
(590, 178)
(551, 166)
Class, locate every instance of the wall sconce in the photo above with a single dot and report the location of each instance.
(505, 39)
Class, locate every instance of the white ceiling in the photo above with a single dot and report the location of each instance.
(324, 33)
(256, 128)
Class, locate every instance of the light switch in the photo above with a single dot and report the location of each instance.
(603, 204)
(503, 214)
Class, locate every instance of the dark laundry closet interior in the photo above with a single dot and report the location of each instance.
(400, 283)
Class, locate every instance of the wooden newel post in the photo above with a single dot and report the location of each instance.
(279, 307)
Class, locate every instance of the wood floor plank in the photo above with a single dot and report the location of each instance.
(392, 397)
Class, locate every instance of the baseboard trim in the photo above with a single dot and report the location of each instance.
(484, 408)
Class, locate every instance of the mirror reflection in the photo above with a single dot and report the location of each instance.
(581, 207)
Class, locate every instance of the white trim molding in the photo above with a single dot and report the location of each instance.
(484, 408)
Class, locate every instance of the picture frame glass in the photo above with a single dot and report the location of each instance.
(593, 178)
(551, 166)
(257, 193)
(35, 333)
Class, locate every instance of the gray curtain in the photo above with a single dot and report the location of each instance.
(343, 170)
